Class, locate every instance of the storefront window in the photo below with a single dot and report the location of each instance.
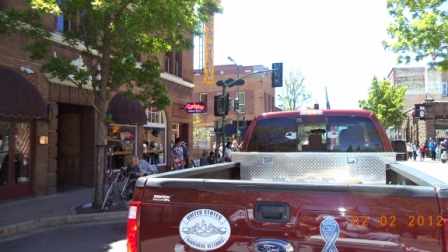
(14, 170)
(154, 137)
(121, 140)
(154, 145)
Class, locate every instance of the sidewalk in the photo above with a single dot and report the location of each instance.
(72, 205)
(436, 169)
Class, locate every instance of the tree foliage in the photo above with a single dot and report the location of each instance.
(200, 132)
(293, 93)
(111, 35)
(419, 31)
(386, 101)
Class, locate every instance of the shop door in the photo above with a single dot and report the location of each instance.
(15, 160)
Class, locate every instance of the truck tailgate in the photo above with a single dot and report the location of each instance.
(229, 215)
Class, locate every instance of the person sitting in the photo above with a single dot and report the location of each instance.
(211, 159)
(143, 168)
(204, 160)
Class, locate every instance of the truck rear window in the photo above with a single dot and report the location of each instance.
(315, 134)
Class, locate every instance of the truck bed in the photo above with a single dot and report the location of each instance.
(400, 214)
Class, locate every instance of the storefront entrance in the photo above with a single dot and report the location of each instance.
(15, 159)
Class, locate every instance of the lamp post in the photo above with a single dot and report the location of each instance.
(237, 97)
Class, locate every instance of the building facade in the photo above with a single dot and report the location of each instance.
(53, 142)
(256, 96)
(427, 92)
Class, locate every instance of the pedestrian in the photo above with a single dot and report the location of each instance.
(426, 148)
(422, 152)
(204, 160)
(228, 152)
(414, 152)
(177, 154)
(211, 159)
(409, 150)
(220, 151)
(235, 146)
(185, 150)
(438, 152)
(432, 149)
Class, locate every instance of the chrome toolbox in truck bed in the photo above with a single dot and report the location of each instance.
(368, 168)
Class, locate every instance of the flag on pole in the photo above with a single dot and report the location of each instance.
(23, 139)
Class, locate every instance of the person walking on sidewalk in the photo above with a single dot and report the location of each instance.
(432, 148)
(409, 150)
(438, 152)
(414, 152)
(422, 151)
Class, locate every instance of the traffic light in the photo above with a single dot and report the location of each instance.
(236, 104)
(277, 75)
(221, 105)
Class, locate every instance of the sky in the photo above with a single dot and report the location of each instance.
(336, 44)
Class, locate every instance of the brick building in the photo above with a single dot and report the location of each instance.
(427, 88)
(256, 95)
(53, 139)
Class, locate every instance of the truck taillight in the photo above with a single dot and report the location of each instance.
(133, 216)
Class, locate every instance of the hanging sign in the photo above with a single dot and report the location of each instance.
(195, 107)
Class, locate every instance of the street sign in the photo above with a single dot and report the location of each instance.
(222, 82)
(237, 83)
(228, 81)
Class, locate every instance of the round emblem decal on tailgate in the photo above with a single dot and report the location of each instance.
(204, 229)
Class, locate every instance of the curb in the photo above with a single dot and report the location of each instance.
(60, 220)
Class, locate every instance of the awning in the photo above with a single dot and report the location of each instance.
(18, 97)
(127, 111)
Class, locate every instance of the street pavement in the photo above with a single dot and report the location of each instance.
(68, 206)
(73, 205)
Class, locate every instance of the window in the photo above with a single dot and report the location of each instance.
(242, 100)
(178, 64)
(332, 134)
(444, 87)
(63, 24)
(154, 116)
(167, 64)
(203, 98)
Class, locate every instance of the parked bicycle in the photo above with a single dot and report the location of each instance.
(124, 183)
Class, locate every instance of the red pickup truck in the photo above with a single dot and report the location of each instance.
(310, 180)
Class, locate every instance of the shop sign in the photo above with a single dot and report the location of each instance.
(195, 107)
(127, 135)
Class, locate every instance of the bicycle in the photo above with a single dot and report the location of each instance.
(125, 189)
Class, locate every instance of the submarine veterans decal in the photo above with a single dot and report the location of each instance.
(204, 229)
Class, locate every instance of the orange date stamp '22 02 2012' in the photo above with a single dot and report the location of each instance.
(393, 221)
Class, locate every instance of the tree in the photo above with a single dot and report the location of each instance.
(386, 101)
(112, 34)
(419, 31)
(293, 94)
(200, 132)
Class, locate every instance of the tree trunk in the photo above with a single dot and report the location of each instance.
(101, 147)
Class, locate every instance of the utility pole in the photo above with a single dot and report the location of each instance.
(237, 101)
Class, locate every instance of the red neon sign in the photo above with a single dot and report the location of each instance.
(195, 107)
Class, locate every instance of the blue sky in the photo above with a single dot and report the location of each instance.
(336, 44)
